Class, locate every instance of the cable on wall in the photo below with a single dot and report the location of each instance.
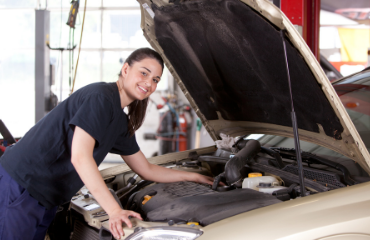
(79, 48)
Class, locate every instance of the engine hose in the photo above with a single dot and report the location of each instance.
(214, 159)
(309, 156)
(274, 154)
(130, 182)
(291, 187)
(242, 142)
(129, 201)
(141, 184)
(216, 182)
(234, 165)
(124, 189)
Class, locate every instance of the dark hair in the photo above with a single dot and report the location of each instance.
(137, 109)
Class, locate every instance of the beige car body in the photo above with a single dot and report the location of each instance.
(339, 214)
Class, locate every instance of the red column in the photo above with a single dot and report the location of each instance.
(305, 13)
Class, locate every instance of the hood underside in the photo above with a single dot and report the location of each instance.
(237, 73)
(228, 59)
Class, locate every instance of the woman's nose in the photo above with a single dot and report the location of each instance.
(148, 82)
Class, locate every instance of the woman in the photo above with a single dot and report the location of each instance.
(62, 151)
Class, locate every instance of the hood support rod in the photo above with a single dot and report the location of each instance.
(295, 125)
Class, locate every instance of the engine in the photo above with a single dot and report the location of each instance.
(191, 202)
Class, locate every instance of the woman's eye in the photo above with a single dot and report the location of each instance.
(144, 73)
(155, 80)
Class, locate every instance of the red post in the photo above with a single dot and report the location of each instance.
(305, 13)
(311, 26)
(293, 9)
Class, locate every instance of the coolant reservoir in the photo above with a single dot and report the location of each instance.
(268, 187)
(253, 182)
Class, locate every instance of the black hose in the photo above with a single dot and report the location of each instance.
(234, 165)
(123, 189)
(216, 182)
(130, 182)
(274, 154)
(215, 159)
(129, 201)
(240, 143)
(143, 183)
(291, 187)
(140, 184)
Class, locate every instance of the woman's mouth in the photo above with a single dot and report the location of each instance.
(144, 90)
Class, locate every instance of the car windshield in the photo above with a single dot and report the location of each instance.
(354, 92)
(355, 96)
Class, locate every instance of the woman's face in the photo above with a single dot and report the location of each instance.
(141, 79)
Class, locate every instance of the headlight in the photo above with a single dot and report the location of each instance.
(170, 233)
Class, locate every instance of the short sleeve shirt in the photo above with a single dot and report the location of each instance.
(41, 160)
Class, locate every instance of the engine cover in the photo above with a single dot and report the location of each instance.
(188, 201)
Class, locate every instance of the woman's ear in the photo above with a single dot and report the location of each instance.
(124, 69)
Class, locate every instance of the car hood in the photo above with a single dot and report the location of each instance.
(227, 57)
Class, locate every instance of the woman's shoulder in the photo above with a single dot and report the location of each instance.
(101, 89)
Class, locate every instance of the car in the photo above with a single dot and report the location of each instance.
(245, 70)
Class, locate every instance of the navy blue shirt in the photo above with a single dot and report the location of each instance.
(41, 160)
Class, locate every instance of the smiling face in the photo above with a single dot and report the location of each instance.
(141, 78)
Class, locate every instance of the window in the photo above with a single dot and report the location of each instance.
(111, 32)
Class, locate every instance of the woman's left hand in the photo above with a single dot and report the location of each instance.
(195, 177)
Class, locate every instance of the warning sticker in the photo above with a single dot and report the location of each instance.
(91, 207)
(149, 10)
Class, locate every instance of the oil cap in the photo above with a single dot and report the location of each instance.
(146, 199)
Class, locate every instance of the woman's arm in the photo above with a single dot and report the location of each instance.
(140, 165)
(84, 163)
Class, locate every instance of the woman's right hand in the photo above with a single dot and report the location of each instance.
(119, 216)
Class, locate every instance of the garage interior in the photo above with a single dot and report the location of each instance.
(41, 42)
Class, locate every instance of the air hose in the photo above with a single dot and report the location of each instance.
(242, 142)
(274, 154)
(233, 166)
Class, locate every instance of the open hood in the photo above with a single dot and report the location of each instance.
(228, 58)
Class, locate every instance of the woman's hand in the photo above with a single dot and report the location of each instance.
(195, 177)
(119, 216)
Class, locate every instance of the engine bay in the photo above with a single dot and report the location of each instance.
(247, 178)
